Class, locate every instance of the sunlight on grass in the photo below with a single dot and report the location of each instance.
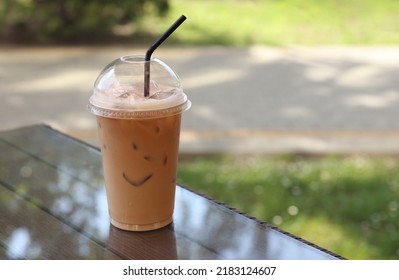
(354, 198)
(282, 23)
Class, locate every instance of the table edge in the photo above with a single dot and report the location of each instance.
(217, 202)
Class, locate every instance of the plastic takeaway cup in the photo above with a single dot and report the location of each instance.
(139, 138)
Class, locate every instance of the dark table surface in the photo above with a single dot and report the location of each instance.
(53, 206)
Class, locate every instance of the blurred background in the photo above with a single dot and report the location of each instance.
(295, 102)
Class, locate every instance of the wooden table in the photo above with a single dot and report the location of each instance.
(53, 206)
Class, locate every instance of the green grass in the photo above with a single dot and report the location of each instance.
(281, 23)
(348, 205)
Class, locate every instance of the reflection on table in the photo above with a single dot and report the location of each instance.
(53, 206)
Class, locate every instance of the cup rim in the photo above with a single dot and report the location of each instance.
(117, 113)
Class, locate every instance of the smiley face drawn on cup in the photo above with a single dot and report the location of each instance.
(152, 159)
(145, 150)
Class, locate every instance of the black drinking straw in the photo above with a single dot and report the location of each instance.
(153, 47)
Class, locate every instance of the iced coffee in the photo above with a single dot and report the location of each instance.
(139, 140)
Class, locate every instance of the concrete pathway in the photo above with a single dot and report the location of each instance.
(245, 100)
